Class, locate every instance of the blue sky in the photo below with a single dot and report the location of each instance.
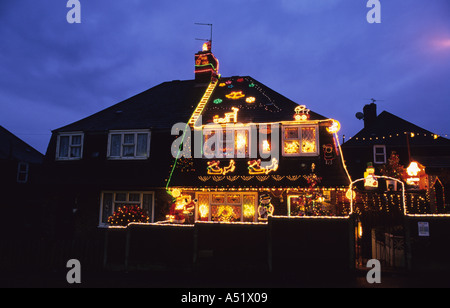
(323, 54)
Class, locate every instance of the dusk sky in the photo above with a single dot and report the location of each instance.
(323, 54)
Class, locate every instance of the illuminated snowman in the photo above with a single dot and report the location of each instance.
(265, 208)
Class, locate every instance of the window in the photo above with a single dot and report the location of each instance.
(112, 200)
(230, 143)
(300, 141)
(379, 154)
(69, 146)
(129, 145)
(230, 207)
(22, 172)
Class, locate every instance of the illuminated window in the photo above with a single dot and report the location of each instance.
(300, 141)
(229, 207)
(230, 143)
(69, 146)
(112, 200)
(129, 144)
(379, 154)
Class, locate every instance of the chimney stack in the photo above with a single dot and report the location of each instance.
(206, 65)
(370, 115)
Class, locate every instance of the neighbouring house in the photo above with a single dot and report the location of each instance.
(20, 179)
(254, 153)
(386, 138)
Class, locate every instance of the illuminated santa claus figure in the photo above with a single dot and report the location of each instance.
(182, 207)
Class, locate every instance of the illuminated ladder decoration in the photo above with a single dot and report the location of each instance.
(198, 111)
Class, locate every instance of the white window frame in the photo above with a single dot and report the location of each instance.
(20, 172)
(122, 133)
(116, 204)
(70, 135)
(299, 128)
(375, 154)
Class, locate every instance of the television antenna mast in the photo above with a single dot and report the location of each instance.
(210, 36)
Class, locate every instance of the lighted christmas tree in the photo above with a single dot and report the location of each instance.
(128, 214)
(393, 168)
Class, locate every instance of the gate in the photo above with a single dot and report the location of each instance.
(379, 227)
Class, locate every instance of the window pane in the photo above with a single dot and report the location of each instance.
(308, 140)
(76, 140)
(121, 197)
(379, 150)
(141, 149)
(128, 139)
(249, 207)
(234, 199)
(147, 204)
(134, 197)
(75, 151)
(291, 133)
(242, 143)
(107, 209)
(115, 145)
(291, 147)
(128, 150)
(64, 146)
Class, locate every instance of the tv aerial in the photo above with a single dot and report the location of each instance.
(211, 33)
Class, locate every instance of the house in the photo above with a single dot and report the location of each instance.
(20, 176)
(209, 149)
(385, 134)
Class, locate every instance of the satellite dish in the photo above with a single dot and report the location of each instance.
(359, 115)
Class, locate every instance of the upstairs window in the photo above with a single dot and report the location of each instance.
(69, 146)
(379, 154)
(129, 145)
(22, 172)
(300, 141)
(230, 143)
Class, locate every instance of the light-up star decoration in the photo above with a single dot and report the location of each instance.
(301, 113)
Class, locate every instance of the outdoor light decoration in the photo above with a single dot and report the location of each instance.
(301, 113)
(214, 169)
(413, 172)
(370, 181)
(182, 207)
(413, 169)
(250, 100)
(235, 95)
(228, 118)
(265, 208)
(335, 127)
(255, 167)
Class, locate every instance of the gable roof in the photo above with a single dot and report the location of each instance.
(12, 147)
(256, 102)
(173, 102)
(158, 108)
(389, 128)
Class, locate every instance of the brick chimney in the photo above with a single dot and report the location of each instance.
(206, 65)
(370, 115)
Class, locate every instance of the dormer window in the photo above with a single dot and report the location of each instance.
(129, 144)
(69, 146)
